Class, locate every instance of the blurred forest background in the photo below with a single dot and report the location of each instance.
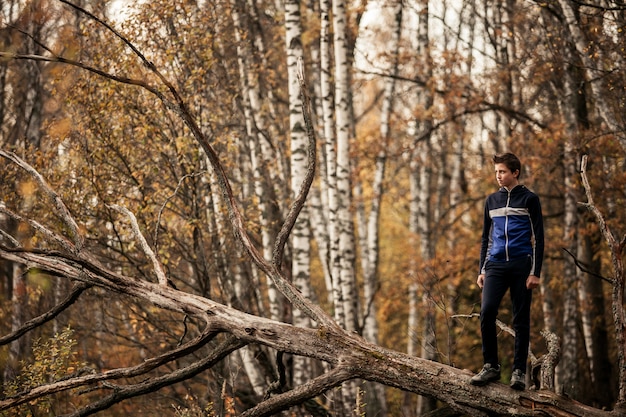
(410, 101)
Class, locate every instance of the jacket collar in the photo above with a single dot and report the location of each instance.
(518, 187)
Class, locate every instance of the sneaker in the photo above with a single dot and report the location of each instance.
(518, 380)
(486, 375)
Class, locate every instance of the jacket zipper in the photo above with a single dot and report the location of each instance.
(506, 224)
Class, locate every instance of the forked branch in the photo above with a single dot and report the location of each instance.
(617, 295)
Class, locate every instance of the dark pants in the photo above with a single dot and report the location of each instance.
(500, 277)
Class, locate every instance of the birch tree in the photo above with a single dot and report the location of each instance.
(370, 222)
(255, 125)
(301, 236)
(422, 166)
(343, 114)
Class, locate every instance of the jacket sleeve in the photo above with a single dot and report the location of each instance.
(484, 241)
(536, 217)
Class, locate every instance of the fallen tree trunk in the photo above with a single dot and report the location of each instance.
(349, 355)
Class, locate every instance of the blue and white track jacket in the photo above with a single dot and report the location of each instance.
(512, 228)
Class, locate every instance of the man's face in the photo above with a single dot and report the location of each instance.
(505, 177)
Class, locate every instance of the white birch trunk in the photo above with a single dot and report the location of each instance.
(409, 405)
(19, 302)
(318, 202)
(272, 158)
(424, 214)
(300, 235)
(330, 154)
(369, 233)
(346, 249)
(254, 123)
(567, 370)
(456, 195)
(500, 42)
(343, 116)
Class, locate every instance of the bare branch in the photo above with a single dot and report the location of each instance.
(500, 324)
(60, 208)
(300, 199)
(590, 205)
(617, 293)
(104, 74)
(67, 245)
(167, 200)
(585, 269)
(158, 268)
(111, 29)
(8, 237)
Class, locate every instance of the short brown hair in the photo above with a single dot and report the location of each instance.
(511, 161)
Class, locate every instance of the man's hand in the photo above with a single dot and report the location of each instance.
(481, 280)
(532, 282)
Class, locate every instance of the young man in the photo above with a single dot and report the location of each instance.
(511, 255)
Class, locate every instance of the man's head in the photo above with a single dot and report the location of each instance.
(511, 161)
(508, 169)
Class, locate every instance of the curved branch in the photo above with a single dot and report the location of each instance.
(617, 294)
(104, 74)
(585, 269)
(300, 199)
(236, 218)
(71, 298)
(591, 206)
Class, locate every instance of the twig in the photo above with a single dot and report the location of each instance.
(104, 74)
(122, 392)
(584, 269)
(590, 205)
(167, 200)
